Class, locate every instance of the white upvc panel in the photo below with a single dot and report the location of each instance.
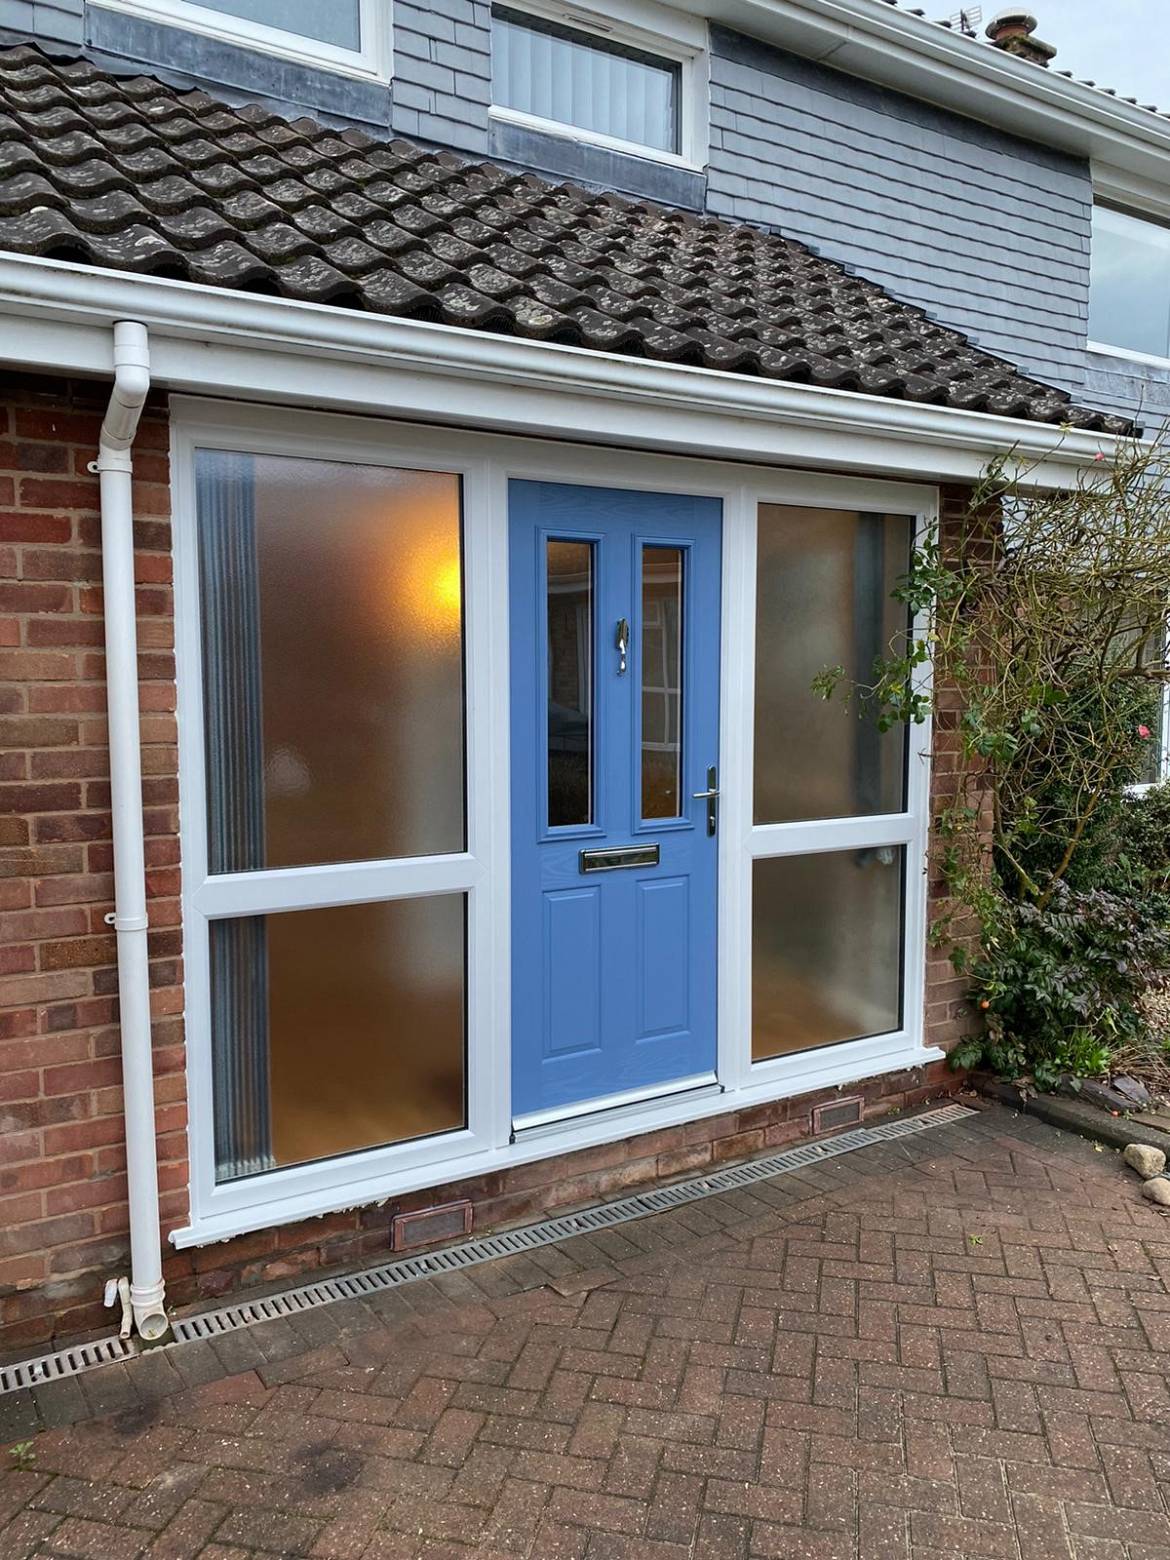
(272, 891)
(808, 839)
(737, 723)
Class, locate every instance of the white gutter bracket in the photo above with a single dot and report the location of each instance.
(129, 918)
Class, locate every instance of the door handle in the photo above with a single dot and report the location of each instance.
(711, 797)
(622, 640)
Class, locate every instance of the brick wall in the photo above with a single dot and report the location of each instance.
(532, 1191)
(63, 1219)
(949, 1017)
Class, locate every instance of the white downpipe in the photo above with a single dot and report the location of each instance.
(131, 384)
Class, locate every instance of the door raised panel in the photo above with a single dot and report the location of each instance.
(572, 971)
(663, 916)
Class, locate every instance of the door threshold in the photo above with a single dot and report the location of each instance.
(539, 1123)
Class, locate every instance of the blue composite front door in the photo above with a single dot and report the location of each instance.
(615, 721)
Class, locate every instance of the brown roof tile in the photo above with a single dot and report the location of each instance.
(134, 175)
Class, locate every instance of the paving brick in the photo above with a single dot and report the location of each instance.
(721, 1401)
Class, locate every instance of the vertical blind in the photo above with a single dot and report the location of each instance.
(233, 719)
(557, 73)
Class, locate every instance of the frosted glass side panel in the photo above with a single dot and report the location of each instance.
(333, 661)
(570, 682)
(662, 672)
(823, 598)
(826, 949)
(363, 1042)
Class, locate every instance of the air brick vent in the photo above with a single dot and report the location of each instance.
(443, 1221)
(836, 1113)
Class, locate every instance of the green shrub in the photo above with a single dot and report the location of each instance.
(1141, 847)
(1060, 987)
(1043, 784)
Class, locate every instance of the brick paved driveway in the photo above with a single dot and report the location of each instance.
(949, 1346)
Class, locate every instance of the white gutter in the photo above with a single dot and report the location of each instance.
(215, 342)
(131, 384)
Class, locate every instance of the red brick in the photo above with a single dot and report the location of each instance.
(51, 493)
(22, 597)
(20, 526)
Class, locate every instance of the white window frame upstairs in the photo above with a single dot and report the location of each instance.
(372, 61)
(1145, 203)
(1143, 786)
(676, 38)
(486, 463)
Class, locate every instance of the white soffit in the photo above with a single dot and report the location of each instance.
(56, 317)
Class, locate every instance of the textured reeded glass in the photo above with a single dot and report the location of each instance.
(826, 949)
(570, 682)
(364, 1039)
(823, 599)
(575, 78)
(1129, 296)
(333, 661)
(662, 673)
(337, 22)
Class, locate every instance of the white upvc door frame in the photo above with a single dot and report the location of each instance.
(486, 463)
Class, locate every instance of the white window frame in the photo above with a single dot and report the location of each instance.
(642, 24)
(1146, 204)
(801, 1071)
(1164, 754)
(486, 464)
(372, 61)
(473, 871)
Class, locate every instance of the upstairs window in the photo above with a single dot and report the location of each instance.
(604, 88)
(348, 35)
(1129, 301)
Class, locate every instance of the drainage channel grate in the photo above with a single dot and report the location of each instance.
(66, 1362)
(510, 1243)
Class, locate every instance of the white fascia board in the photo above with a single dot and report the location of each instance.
(209, 341)
(888, 45)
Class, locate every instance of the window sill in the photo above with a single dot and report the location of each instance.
(1126, 354)
(610, 143)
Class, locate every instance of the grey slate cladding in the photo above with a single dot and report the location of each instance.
(983, 230)
(131, 174)
(57, 21)
(442, 72)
